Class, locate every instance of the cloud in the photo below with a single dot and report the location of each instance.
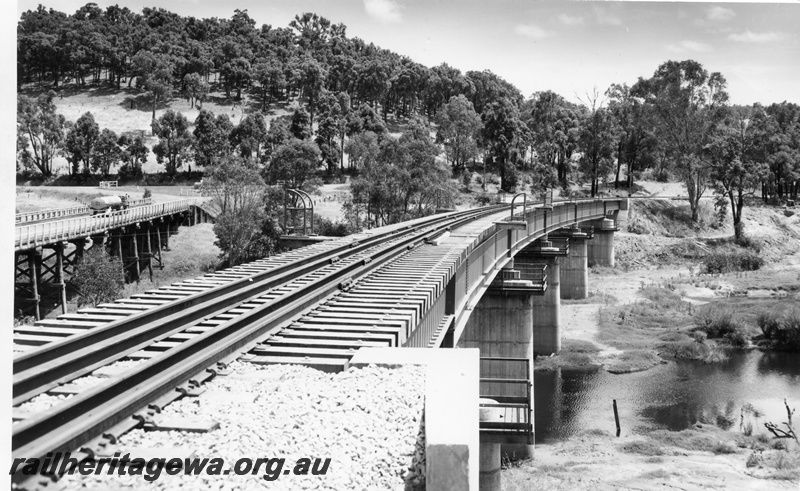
(383, 10)
(569, 20)
(688, 45)
(531, 31)
(749, 36)
(608, 19)
(720, 14)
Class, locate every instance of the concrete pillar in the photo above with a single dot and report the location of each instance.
(501, 325)
(547, 312)
(574, 275)
(489, 456)
(600, 250)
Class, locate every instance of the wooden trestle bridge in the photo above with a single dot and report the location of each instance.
(47, 244)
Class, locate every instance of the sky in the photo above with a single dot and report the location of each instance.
(567, 47)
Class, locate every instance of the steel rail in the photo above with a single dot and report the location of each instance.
(56, 363)
(90, 413)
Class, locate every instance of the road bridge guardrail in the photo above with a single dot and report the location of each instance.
(38, 234)
(37, 216)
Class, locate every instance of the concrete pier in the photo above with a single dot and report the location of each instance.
(501, 325)
(547, 312)
(574, 276)
(600, 250)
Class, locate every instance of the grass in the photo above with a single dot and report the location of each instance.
(192, 253)
(632, 361)
(39, 199)
(648, 448)
(638, 325)
(574, 354)
(593, 297)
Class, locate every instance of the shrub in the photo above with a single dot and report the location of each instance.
(731, 261)
(147, 193)
(717, 322)
(99, 277)
(782, 328)
(326, 226)
(641, 447)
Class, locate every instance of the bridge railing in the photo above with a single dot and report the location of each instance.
(29, 236)
(37, 216)
(491, 249)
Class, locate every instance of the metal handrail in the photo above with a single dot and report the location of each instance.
(28, 236)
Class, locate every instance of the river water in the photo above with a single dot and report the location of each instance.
(673, 396)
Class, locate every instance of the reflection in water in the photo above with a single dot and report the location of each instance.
(672, 396)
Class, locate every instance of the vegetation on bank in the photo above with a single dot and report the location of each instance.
(403, 129)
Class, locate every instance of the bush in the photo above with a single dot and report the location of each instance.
(717, 322)
(147, 193)
(99, 277)
(782, 328)
(326, 226)
(731, 261)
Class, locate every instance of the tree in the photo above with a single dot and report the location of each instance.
(597, 141)
(106, 152)
(269, 74)
(459, 126)
(134, 154)
(782, 149)
(236, 74)
(174, 140)
(154, 72)
(39, 126)
(249, 135)
(99, 277)
(294, 162)
(501, 129)
(736, 153)
(211, 138)
(80, 142)
(636, 144)
(245, 230)
(400, 178)
(301, 124)
(194, 88)
(554, 124)
(687, 102)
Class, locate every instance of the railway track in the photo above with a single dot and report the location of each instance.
(184, 334)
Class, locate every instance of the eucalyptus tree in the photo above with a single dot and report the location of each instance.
(40, 131)
(174, 140)
(79, 145)
(687, 101)
(736, 153)
(458, 129)
(211, 138)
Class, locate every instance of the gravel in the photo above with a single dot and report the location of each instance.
(367, 421)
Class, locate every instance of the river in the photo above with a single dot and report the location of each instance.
(675, 395)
